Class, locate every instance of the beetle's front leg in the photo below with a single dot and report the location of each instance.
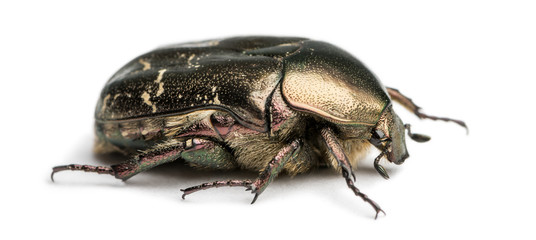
(271, 171)
(411, 106)
(337, 151)
(159, 154)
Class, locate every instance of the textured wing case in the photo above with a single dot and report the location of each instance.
(236, 74)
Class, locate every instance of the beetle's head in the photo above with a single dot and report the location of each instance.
(389, 137)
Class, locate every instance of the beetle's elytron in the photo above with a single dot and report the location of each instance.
(267, 104)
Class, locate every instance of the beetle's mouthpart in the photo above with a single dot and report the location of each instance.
(415, 136)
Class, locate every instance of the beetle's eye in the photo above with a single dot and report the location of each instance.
(380, 135)
(378, 138)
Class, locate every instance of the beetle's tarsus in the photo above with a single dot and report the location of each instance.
(363, 196)
(85, 168)
(217, 184)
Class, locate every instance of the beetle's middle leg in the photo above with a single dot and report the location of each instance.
(411, 106)
(256, 187)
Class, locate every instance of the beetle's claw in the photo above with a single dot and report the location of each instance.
(374, 205)
(255, 198)
(57, 169)
(378, 212)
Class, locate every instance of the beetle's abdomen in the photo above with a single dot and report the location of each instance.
(130, 136)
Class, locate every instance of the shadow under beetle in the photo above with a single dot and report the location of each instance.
(267, 104)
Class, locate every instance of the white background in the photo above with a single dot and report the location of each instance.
(473, 60)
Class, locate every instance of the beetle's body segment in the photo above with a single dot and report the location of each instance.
(265, 104)
(325, 80)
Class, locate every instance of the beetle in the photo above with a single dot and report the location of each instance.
(266, 104)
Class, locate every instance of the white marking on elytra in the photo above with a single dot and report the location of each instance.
(190, 60)
(104, 102)
(216, 100)
(146, 64)
(147, 100)
(160, 83)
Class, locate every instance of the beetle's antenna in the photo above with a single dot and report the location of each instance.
(381, 170)
(415, 136)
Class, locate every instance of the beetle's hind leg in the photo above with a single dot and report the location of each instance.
(161, 153)
(256, 187)
(411, 106)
